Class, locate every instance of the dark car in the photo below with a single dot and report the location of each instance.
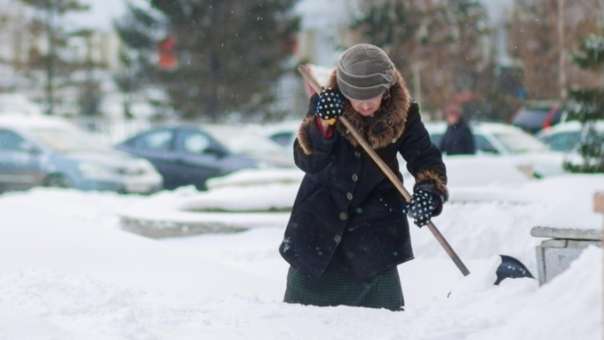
(536, 117)
(185, 155)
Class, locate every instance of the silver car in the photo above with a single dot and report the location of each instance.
(38, 150)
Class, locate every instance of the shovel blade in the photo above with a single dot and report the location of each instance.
(512, 268)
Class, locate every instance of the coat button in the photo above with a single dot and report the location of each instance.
(349, 196)
(343, 216)
(355, 177)
(359, 211)
(357, 154)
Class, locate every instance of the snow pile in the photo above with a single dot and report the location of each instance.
(481, 206)
(215, 209)
(70, 272)
(275, 197)
(569, 307)
(253, 177)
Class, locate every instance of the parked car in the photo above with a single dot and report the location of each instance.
(491, 139)
(565, 137)
(523, 150)
(38, 150)
(185, 154)
(537, 116)
(494, 138)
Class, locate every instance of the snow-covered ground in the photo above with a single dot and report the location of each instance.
(70, 272)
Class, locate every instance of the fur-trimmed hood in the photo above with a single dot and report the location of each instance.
(385, 128)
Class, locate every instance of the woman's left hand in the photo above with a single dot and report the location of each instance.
(423, 206)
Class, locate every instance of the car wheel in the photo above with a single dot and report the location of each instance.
(56, 181)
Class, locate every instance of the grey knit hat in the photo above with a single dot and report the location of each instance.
(365, 71)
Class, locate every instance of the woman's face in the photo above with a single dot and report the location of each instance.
(367, 107)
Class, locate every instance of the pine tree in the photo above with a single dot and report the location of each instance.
(210, 56)
(535, 42)
(587, 106)
(51, 62)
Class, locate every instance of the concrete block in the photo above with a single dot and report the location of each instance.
(566, 244)
(567, 233)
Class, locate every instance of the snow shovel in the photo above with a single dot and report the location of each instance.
(509, 267)
(512, 268)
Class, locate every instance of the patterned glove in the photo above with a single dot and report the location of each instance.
(330, 105)
(423, 206)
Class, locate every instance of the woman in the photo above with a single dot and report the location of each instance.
(347, 231)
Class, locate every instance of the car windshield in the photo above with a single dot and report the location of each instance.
(67, 140)
(519, 142)
(563, 141)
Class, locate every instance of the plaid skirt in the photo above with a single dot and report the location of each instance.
(336, 288)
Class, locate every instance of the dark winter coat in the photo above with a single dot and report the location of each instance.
(346, 210)
(458, 139)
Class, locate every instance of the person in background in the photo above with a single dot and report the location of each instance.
(348, 231)
(458, 139)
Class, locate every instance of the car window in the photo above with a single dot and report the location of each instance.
(483, 144)
(10, 141)
(563, 141)
(194, 142)
(198, 142)
(160, 140)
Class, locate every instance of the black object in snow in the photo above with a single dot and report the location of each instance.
(511, 268)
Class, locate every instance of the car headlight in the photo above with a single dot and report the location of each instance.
(95, 171)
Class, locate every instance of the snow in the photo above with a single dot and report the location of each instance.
(17, 103)
(101, 14)
(254, 177)
(498, 10)
(570, 126)
(33, 121)
(321, 15)
(70, 272)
